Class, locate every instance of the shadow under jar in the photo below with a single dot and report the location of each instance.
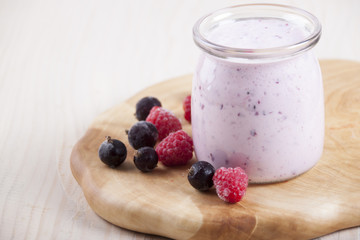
(257, 95)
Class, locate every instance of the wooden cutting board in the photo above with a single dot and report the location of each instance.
(323, 200)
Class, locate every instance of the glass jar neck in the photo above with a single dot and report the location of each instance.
(299, 18)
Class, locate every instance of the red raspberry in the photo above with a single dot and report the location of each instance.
(165, 121)
(230, 184)
(187, 108)
(175, 149)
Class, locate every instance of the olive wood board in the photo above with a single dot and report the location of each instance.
(162, 202)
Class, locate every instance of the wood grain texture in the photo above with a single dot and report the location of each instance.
(321, 201)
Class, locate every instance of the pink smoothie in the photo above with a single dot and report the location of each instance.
(267, 117)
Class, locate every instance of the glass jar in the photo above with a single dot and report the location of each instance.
(257, 95)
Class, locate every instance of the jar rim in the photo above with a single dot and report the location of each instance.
(227, 52)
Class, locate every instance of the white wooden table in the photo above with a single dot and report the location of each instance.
(64, 62)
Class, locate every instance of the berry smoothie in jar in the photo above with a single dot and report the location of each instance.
(257, 94)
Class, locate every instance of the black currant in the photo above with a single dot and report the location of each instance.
(200, 175)
(143, 134)
(146, 159)
(144, 105)
(112, 152)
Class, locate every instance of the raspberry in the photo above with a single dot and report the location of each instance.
(175, 149)
(187, 108)
(164, 121)
(230, 184)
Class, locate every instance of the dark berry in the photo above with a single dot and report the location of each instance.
(112, 152)
(143, 134)
(200, 175)
(146, 159)
(144, 106)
